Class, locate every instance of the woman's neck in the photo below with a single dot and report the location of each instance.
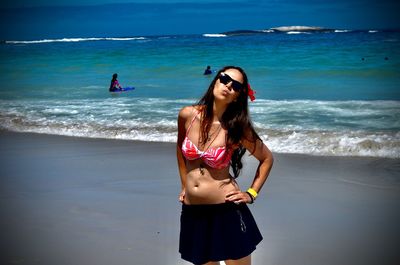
(218, 111)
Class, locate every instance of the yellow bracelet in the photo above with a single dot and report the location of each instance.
(252, 192)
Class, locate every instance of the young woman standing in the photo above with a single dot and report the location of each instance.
(216, 223)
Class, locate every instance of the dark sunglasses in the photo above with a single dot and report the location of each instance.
(225, 79)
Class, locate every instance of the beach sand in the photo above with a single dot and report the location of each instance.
(67, 200)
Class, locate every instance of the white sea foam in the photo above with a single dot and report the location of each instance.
(210, 35)
(71, 40)
(267, 30)
(342, 30)
(287, 141)
(297, 28)
(125, 39)
(343, 128)
(297, 32)
(59, 111)
(352, 143)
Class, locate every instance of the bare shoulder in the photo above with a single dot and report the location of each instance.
(186, 112)
(184, 117)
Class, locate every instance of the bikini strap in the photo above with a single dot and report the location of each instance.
(191, 123)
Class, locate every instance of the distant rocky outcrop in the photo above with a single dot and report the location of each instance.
(300, 29)
(282, 29)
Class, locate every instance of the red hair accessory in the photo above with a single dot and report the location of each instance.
(250, 93)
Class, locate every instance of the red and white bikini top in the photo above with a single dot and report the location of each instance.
(215, 157)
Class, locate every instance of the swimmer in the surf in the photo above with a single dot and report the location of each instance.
(114, 86)
(208, 70)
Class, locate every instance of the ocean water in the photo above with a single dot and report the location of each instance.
(319, 93)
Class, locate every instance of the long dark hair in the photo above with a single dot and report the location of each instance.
(236, 120)
(114, 77)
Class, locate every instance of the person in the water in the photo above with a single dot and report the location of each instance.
(114, 86)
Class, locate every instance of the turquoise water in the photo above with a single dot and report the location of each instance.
(335, 93)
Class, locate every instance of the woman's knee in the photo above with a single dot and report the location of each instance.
(243, 261)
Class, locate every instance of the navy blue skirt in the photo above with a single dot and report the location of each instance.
(215, 232)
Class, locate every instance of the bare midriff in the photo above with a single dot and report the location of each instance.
(206, 185)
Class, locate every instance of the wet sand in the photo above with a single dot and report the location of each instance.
(67, 200)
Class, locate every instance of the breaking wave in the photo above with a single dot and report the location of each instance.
(340, 128)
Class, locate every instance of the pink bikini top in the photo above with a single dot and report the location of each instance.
(115, 83)
(215, 157)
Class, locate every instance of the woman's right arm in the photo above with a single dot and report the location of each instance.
(183, 118)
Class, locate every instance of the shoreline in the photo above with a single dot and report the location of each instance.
(6, 131)
(71, 200)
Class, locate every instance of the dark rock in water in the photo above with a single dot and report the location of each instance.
(241, 32)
